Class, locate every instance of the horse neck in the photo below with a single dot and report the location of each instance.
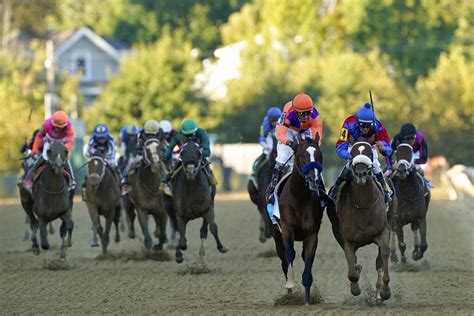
(55, 181)
(151, 179)
(363, 193)
(107, 179)
(298, 187)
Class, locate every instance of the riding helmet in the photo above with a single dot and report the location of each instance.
(302, 103)
(60, 119)
(189, 127)
(151, 127)
(101, 130)
(165, 126)
(408, 130)
(365, 114)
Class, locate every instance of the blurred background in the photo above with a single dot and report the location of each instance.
(225, 62)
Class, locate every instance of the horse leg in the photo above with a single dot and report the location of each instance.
(130, 216)
(105, 236)
(309, 246)
(209, 217)
(160, 232)
(416, 241)
(34, 235)
(401, 243)
(353, 270)
(143, 220)
(393, 248)
(118, 221)
(290, 257)
(335, 224)
(423, 244)
(96, 228)
(51, 228)
(26, 235)
(203, 234)
(384, 251)
(181, 226)
(263, 230)
(43, 233)
(62, 234)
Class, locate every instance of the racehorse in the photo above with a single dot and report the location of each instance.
(51, 199)
(257, 192)
(193, 197)
(301, 213)
(145, 195)
(103, 198)
(413, 200)
(364, 220)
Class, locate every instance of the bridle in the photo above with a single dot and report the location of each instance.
(100, 159)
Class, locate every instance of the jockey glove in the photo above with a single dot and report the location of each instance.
(293, 145)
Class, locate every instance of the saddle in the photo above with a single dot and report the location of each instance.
(42, 169)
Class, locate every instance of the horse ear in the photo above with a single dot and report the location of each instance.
(316, 139)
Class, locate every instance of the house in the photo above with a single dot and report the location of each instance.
(97, 58)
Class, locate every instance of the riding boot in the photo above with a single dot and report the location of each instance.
(276, 177)
(69, 170)
(257, 165)
(340, 179)
(164, 186)
(30, 175)
(323, 196)
(386, 189)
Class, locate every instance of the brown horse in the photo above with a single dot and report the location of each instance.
(145, 195)
(301, 213)
(103, 198)
(413, 200)
(364, 220)
(257, 192)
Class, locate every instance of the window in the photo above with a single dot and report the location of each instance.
(81, 63)
(81, 66)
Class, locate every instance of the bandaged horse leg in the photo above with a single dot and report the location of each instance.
(71, 173)
(290, 257)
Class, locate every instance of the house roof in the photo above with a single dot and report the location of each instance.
(66, 39)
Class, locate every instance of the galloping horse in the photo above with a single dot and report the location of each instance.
(413, 200)
(301, 213)
(103, 198)
(364, 220)
(50, 200)
(193, 197)
(145, 195)
(257, 193)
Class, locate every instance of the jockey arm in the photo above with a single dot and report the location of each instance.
(264, 130)
(317, 128)
(90, 148)
(342, 145)
(111, 152)
(38, 139)
(169, 149)
(423, 153)
(205, 144)
(383, 140)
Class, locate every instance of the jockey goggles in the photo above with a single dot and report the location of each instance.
(59, 123)
(407, 138)
(365, 124)
(304, 114)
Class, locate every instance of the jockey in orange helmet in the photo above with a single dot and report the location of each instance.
(57, 127)
(299, 117)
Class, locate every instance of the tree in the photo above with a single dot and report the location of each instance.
(156, 82)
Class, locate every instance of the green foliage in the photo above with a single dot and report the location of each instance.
(156, 82)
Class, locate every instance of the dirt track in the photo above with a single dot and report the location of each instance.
(242, 281)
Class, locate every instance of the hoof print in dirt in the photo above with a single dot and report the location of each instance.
(297, 298)
(57, 265)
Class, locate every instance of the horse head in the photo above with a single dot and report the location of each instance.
(96, 171)
(191, 157)
(151, 154)
(361, 166)
(309, 162)
(404, 164)
(57, 156)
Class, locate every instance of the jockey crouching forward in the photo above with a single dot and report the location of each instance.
(59, 128)
(151, 130)
(299, 117)
(363, 126)
(267, 130)
(189, 131)
(411, 136)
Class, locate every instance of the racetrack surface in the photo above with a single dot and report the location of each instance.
(242, 281)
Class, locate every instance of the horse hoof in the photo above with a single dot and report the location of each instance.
(131, 235)
(36, 251)
(417, 255)
(404, 259)
(95, 243)
(355, 289)
(26, 237)
(183, 247)
(179, 259)
(262, 239)
(223, 250)
(385, 295)
(117, 239)
(394, 258)
(158, 247)
(68, 243)
(358, 268)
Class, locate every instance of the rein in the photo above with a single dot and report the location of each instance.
(64, 188)
(101, 176)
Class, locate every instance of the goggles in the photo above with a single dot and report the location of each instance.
(304, 114)
(365, 124)
(59, 123)
(408, 137)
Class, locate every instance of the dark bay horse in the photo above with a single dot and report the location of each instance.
(413, 200)
(51, 199)
(103, 198)
(257, 192)
(193, 197)
(364, 220)
(301, 213)
(145, 195)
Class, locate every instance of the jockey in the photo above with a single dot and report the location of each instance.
(150, 130)
(362, 126)
(128, 140)
(410, 135)
(267, 130)
(299, 117)
(58, 127)
(167, 129)
(189, 131)
(102, 144)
